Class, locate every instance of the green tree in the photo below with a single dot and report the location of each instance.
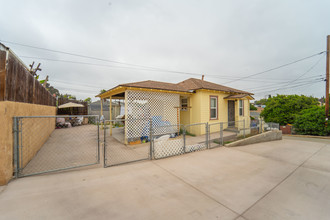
(261, 102)
(69, 96)
(312, 121)
(102, 91)
(252, 107)
(88, 100)
(52, 90)
(283, 108)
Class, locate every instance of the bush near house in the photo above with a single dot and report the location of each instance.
(282, 109)
(252, 107)
(261, 102)
(312, 121)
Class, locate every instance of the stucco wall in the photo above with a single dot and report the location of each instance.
(33, 138)
(200, 111)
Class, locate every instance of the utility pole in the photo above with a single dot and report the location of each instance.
(327, 82)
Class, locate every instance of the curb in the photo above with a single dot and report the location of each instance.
(307, 136)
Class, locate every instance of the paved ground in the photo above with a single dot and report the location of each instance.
(288, 179)
(67, 147)
(117, 152)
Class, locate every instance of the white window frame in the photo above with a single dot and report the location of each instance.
(216, 107)
(241, 107)
(184, 107)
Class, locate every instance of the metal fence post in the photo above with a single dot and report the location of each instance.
(184, 139)
(98, 140)
(243, 128)
(151, 140)
(16, 145)
(221, 133)
(104, 146)
(207, 134)
(20, 145)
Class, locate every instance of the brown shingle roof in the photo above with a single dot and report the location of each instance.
(236, 96)
(184, 86)
(193, 84)
(149, 84)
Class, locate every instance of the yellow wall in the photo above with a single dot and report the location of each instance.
(185, 115)
(200, 111)
(33, 138)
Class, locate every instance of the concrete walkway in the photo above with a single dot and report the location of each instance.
(288, 179)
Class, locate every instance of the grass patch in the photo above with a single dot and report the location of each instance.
(188, 133)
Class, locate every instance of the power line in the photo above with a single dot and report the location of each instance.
(95, 64)
(99, 59)
(275, 87)
(312, 67)
(308, 70)
(78, 84)
(278, 67)
(292, 86)
(78, 90)
(276, 84)
(103, 65)
(84, 63)
(159, 69)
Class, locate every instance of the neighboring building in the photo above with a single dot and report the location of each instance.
(188, 102)
(321, 101)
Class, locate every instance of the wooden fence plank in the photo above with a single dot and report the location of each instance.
(2, 75)
(18, 84)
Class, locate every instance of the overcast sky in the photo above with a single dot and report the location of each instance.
(224, 40)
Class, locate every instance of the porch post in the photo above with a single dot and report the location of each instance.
(126, 116)
(101, 101)
(110, 111)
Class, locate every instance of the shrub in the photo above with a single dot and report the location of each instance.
(312, 121)
(283, 108)
(252, 107)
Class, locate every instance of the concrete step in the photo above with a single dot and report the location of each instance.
(232, 129)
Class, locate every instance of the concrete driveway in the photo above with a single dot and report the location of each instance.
(288, 179)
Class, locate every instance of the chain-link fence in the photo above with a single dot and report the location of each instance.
(258, 126)
(196, 137)
(51, 143)
(215, 138)
(167, 140)
(269, 126)
(125, 141)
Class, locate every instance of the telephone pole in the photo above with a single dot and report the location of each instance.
(327, 82)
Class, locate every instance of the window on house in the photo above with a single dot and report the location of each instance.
(213, 107)
(184, 104)
(241, 107)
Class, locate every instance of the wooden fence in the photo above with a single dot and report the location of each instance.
(17, 83)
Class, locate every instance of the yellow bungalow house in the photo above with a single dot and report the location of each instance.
(188, 102)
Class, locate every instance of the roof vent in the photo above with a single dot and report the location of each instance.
(202, 77)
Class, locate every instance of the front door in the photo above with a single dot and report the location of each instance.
(231, 113)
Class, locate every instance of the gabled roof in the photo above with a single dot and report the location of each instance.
(194, 84)
(189, 85)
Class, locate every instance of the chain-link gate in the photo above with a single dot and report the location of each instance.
(52, 143)
(215, 135)
(196, 137)
(125, 144)
(167, 141)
